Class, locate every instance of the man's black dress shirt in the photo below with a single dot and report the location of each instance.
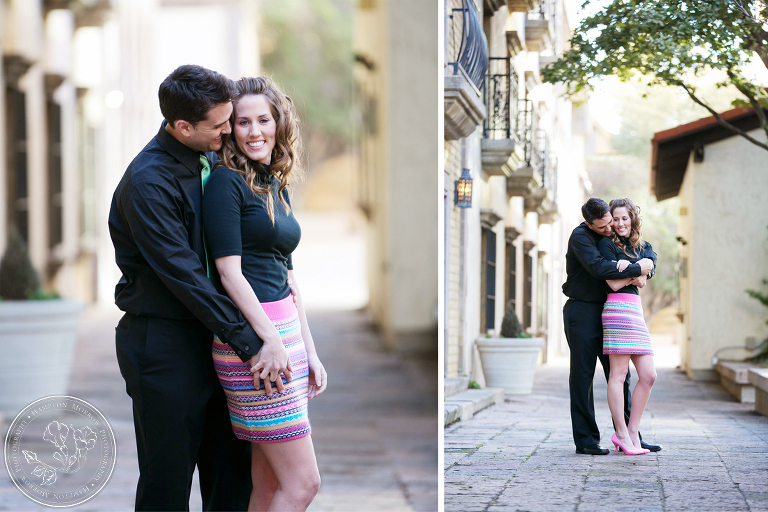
(156, 227)
(587, 270)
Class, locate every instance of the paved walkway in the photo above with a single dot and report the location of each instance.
(519, 456)
(375, 429)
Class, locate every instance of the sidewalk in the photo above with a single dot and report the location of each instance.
(520, 456)
(374, 429)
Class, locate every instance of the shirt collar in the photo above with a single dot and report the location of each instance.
(184, 154)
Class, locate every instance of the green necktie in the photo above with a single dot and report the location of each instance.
(205, 172)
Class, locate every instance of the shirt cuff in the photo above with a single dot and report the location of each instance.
(247, 344)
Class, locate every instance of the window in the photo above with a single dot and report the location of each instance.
(54, 175)
(16, 144)
(511, 277)
(488, 279)
(528, 291)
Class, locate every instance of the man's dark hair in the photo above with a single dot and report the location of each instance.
(594, 209)
(191, 91)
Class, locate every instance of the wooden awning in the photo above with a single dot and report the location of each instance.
(671, 148)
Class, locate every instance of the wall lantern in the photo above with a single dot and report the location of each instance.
(463, 193)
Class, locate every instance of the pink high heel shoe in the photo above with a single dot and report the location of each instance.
(617, 443)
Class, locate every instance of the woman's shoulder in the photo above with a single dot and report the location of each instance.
(223, 176)
(647, 247)
(606, 243)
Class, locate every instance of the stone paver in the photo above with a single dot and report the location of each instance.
(519, 456)
(375, 429)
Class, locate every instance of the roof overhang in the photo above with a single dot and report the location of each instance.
(671, 149)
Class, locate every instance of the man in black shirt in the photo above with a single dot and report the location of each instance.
(172, 309)
(585, 287)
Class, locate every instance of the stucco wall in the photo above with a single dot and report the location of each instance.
(414, 160)
(727, 248)
(452, 249)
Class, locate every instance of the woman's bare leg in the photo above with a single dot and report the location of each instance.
(619, 367)
(264, 480)
(295, 468)
(646, 376)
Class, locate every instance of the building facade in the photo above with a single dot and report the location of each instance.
(523, 145)
(396, 96)
(722, 182)
(79, 101)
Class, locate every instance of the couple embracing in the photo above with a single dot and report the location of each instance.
(214, 346)
(606, 262)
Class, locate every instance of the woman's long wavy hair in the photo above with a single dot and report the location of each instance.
(285, 163)
(635, 242)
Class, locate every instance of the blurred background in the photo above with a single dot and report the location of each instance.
(79, 100)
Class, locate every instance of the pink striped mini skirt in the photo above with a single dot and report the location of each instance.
(255, 416)
(624, 329)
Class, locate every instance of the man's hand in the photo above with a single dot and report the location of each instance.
(268, 364)
(646, 265)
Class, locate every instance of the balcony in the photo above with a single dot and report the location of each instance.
(492, 6)
(538, 28)
(542, 200)
(500, 147)
(531, 179)
(464, 109)
(521, 5)
(522, 182)
(514, 45)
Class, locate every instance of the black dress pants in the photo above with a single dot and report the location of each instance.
(180, 416)
(584, 331)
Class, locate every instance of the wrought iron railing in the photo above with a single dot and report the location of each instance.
(501, 100)
(540, 160)
(528, 123)
(543, 11)
(551, 181)
(465, 31)
(547, 10)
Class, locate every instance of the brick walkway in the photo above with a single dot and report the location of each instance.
(375, 428)
(519, 456)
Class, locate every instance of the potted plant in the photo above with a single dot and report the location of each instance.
(509, 361)
(37, 333)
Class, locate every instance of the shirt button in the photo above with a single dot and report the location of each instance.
(247, 347)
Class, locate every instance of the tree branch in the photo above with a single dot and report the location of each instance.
(719, 118)
(752, 100)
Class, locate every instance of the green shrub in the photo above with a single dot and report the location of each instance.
(18, 278)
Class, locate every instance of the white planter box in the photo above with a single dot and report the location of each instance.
(37, 340)
(759, 378)
(509, 363)
(734, 378)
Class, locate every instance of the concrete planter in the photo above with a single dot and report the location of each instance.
(734, 378)
(37, 340)
(509, 363)
(758, 377)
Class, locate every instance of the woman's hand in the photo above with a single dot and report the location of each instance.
(267, 365)
(640, 281)
(294, 289)
(622, 265)
(318, 379)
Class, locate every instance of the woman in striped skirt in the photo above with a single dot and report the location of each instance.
(625, 335)
(250, 233)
